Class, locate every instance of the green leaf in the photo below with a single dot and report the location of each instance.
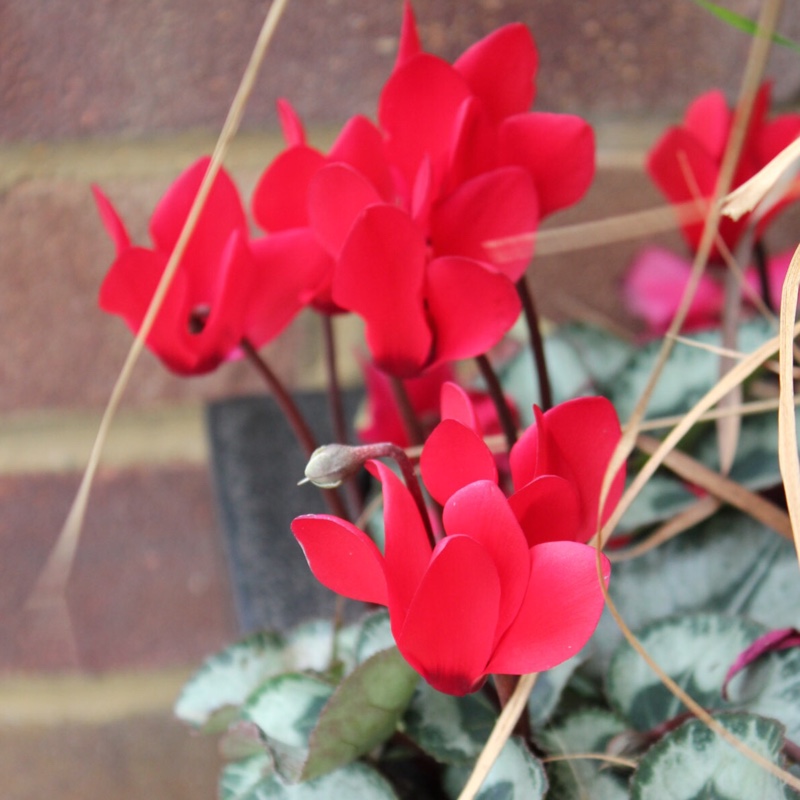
(286, 709)
(547, 690)
(585, 731)
(688, 374)
(239, 778)
(355, 781)
(729, 564)
(694, 650)
(211, 698)
(451, 729)
(516, 775)
(375, 635)
(694, 762)
(770, 687)
(362, 712)
(743, 23)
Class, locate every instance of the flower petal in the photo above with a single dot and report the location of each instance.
(461, 290)
(497, 205)
(457, 405)
(557, 150)
(500, 70)
(112, 222)
(342, 557)
(481, 511)
(448, 632)
(548, 510)
(380, 276)
(361, 145)
(280, 199)
(452, 457)
(559, 613)
(337, 194)
(291, 124)
(409, 38)
(408, 551)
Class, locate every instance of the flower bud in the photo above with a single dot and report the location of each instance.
(332, 464)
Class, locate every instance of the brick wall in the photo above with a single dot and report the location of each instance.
(126, 94)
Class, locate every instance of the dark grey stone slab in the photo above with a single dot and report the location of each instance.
(256, 465)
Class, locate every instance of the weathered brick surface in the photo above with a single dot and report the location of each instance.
(72, 70)
(148, 756)
(150, 586)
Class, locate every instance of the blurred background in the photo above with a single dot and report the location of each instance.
(127, 94)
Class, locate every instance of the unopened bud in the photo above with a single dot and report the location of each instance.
(332, 464)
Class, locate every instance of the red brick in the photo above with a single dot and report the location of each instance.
(71, 70)
(150, 586)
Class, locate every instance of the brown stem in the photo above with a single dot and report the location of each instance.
(390, 450)
(760, 255)
(414, 431)
(292, 413)
(499, 399)
(505, 685)
(537, 343)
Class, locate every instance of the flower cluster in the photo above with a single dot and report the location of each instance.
(416, 224)
(509, 586)
(685, 163)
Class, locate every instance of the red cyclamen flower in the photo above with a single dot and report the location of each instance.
(494, 594)
(686, 160)
(227, 286)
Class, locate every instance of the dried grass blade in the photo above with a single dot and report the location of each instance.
(787, 433)
(49, 586)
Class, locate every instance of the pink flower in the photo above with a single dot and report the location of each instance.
(686, 160)
(496, 593)
(227, 286)
(656, 280)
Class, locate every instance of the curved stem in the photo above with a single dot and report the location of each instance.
(338, 422)
(294, 417)
(498, 398)
(390, 450)
(537, 343)
(414, 431)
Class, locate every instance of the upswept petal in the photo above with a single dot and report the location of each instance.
(548, 509)
(222, 213)
(654, 285)
(409, 38)
(360, 144)
(474, 148)
(417, 110)
(559, 613)
(291, 268)
(448, 632)
(557, 149)
(111, 220)
(574, 440)
(280, 199)
(709, 120)
(380, 276)
(460, 289)
(456, 404)
(337, 194)
(500, 70)
(481, 511)
(498, 205)
(291, 124)
(408, 551)
(342, 557)
(454, 456)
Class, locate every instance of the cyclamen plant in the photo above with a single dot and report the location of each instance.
(477, 550)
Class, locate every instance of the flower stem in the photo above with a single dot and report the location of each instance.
(537, 343)
(498, 398)
(505, 686)
(393, 451)
(296, 420)
(414, 431)
(760, 255)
